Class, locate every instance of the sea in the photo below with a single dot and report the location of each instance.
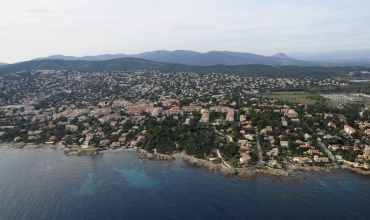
(46, 184)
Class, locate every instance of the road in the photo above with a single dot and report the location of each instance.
(218, 152)
(327, 151)
(230, 138)
(219, 155)
(259, 151)
(322, 145)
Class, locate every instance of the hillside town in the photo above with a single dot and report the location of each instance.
(168, 112)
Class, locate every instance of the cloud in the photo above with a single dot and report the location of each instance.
(38, 28)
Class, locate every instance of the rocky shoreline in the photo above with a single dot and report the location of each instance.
(281, 175)
(317, 169)
(155, 156)
(358, 171)
(250, 173)
(31, 145)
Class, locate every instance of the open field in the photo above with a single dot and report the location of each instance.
(293, 97)
(305, 98)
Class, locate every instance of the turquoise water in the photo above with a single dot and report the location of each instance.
(45, 184)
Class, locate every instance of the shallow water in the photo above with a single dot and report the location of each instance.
(45, 184)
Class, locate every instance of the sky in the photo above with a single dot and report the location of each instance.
(39, 28)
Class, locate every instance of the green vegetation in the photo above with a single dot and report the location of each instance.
(196, 139)
(294, 97)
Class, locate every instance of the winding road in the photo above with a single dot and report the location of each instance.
(218, 151)
(219, 155)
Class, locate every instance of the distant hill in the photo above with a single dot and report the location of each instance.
(2, 63)
(193, 58)
(127, 63)
(340, 55)
(281, 55)
(87, 58)
(213, 58)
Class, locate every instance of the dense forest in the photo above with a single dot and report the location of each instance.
(197, 139)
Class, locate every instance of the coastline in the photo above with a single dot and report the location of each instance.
(253, 172)
(118, 150)
(30, 145)
(249, 173)
(292, 174)
(358, 171)
(143, 154)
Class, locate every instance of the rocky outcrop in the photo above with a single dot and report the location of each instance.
(19, 145)
(225, 171)
(359, 171)
(282, 175)
(165, 157)
(68, 151)
(243, 172)
(155, 156)
(203, 163)
(87, 152)
(323, 169)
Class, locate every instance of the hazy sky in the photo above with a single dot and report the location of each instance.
(37, 28)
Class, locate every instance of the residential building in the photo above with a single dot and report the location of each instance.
(284, 143)
(191, 108)
(349, 130)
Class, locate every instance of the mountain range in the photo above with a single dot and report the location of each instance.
(194, 58)
(340, 57)
(128, 63)
(235, 58)
(185, 60)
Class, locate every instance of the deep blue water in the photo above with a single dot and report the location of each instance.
(45, 184)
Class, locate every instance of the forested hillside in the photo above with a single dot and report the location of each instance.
(141, 64)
